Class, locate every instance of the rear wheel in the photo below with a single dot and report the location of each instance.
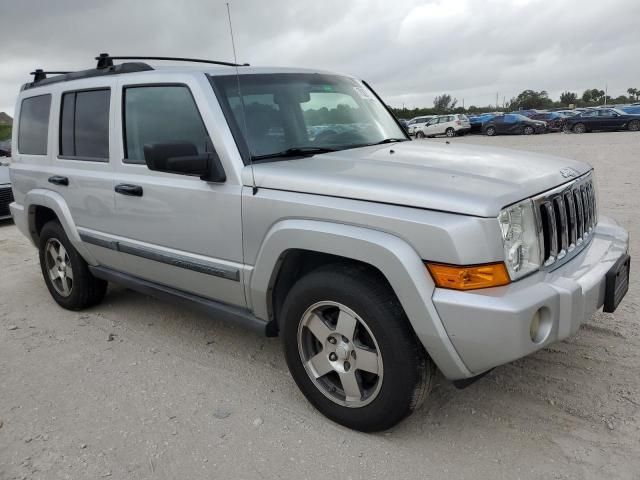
(634, 125)
(419, 134)
(579, 128)
(450, 132)
(65, 272)
(350, 349)
(490, 131)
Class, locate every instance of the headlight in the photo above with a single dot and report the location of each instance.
(520, 238)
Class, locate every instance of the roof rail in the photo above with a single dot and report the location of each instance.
(39, 74)
(105, 60)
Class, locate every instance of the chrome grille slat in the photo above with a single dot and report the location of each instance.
(567, 216)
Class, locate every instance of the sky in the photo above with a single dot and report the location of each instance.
(409, 50)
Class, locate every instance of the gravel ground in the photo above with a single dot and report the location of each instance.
(136, 388)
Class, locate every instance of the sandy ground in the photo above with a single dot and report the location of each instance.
(177, 395)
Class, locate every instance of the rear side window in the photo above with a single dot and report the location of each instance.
(84, 125)
(160, 114)
(33, 127)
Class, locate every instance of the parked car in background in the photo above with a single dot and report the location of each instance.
(526, 113)
(417, 123)
(449, 125)
(5, 148)
(477, 121)
(554, 120)
(513, 124)
(6, 195)
(632, 109)
(602, 119)
(568, 113)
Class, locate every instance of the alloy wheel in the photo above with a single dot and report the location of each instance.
(59, 267)
(340, 354)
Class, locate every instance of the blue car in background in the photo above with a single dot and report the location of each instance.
(476, 121)
(632, 109)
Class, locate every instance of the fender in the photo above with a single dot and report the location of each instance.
(54, 201)
(392, 256)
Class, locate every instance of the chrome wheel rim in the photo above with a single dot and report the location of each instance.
(340, 354)
(450, 133)
(491, 131)
(59, 268)
(528, 130)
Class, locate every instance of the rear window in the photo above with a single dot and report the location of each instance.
(464, 118)
(84, 125)
(33, 126)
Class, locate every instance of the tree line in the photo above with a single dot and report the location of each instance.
(527, 99)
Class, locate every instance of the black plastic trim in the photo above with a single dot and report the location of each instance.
(180, 261)
(223, 311)
(465, 382)
(387, 108)
(131, 67)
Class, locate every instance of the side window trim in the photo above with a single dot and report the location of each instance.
(75, 95)
(123, 122)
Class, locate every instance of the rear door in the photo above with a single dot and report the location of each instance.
(173, 229)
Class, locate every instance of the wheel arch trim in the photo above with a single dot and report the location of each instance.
(392, 256)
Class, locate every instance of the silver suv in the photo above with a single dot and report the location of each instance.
(291, 201)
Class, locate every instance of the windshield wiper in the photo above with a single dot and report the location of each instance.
(295, 152)
(389, 140)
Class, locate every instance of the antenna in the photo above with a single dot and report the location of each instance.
(241, 98)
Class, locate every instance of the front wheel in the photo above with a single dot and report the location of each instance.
(528, 130)
(490, 131)
(350, 349)
(450, 132)
(65, 272)
(634, 125)
(579, 128)
(419, 135)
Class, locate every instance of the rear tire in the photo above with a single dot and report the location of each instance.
(450, 132)
(341, 314)
(579, 128)
(65, 272)
(490, 131)
(634, 125)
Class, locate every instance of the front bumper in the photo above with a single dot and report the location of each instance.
(491, 327)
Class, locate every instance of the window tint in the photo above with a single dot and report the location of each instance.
(511, 118)
(34, 125)
(84, 124)
(160, 114)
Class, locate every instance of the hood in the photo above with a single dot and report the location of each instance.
(466, 179)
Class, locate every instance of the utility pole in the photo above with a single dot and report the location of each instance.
(606, 92)
(497, 106)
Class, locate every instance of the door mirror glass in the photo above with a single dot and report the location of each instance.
(183, 159)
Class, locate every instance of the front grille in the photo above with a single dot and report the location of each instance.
(566, 218)
(6, 197)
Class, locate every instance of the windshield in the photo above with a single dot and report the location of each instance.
(298, 113)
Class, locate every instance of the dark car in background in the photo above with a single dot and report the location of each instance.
(477, 121)
(602, 119)
(554, 120)
(5, 148)
(513, 124)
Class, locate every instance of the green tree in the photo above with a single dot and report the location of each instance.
(568, 98)
(444, 103)
(633, 93)
(531, 99)
(593, 96)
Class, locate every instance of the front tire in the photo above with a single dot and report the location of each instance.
(65, 272)
(528, 130)
(419, 135)
(350, 349)
(579, 128)
(490, 131)
(634, 125)
(450, 132)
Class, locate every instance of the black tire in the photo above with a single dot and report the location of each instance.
(419, 135)
(408, 370)
(450, 132)
(86, 290)
(528, 130)
(490, 131)
(579, 128)
(634, 125)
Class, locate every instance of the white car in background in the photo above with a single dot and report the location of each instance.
(417, 123)
(6, 195)
(449, 125)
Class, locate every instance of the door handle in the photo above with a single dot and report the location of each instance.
(58, 180)
(130, 190)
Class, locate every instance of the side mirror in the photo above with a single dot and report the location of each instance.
(184, 159)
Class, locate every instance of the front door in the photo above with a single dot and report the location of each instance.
(173, 229)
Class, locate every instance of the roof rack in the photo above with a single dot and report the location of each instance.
(105, 60)
(39, 74)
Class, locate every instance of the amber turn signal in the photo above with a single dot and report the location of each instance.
(469, 277)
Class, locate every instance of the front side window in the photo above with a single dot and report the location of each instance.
(33, 126)
(84, 125)
(275, 115)
(162, 114)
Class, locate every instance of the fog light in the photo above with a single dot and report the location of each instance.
(534, 328)
(540, 326)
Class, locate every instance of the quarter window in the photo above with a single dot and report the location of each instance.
(84, 125)
(33, 127)
(160, 114)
